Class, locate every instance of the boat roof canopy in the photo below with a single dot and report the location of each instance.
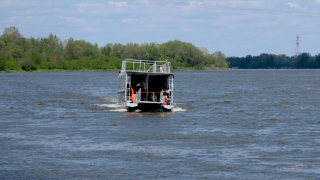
(149, 73)
(146, 66)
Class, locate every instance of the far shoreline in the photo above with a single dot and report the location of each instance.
(100, 70)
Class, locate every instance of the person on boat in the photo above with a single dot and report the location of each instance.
(165, 91)
(143, 85)
(143, 89)
(168, 92)
(165, 95)
(138, 87)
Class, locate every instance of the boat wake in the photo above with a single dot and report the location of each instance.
(178, 109)
(108, 105)
(115, 107)
(118, 110)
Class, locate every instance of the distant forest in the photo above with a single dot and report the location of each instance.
(20, 53)
(265, 61)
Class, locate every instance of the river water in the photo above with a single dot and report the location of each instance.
(233, 124)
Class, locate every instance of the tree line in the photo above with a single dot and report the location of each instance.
(302, 61)
(18, 52)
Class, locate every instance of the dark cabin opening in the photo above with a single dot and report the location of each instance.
(157, 83)
(135, 79)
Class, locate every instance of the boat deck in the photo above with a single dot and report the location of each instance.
(149, 102)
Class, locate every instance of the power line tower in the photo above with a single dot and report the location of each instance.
(297, 53)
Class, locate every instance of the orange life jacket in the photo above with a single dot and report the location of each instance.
(133, 96)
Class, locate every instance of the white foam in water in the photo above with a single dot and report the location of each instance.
(108, 105)
(177, 109)
(119, 110)
(116, 106)
(177, 103)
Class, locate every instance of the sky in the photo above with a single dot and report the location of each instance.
(235, 27)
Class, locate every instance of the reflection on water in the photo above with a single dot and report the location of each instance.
(240, 124)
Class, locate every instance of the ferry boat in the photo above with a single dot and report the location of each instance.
(145, 85)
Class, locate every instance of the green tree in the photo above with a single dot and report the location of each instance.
(2, 62)
(72, 51)
(12, 64)
(88, 49)
(27, 64)
(302, 60)
(16, 52)
(220, 60)
(107, 49)
(317, 60)
(117, 50)
(2, 44)
(11, 34)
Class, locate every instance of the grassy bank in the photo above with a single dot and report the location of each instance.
(57, 70)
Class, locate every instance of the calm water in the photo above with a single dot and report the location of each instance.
(239, 124)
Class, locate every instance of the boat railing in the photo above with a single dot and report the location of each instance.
(145, 66)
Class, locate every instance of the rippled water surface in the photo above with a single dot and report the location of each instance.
(239, 124)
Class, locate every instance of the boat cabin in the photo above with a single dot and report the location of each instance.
(145, 84)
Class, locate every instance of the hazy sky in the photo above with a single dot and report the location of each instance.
(235, 27)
